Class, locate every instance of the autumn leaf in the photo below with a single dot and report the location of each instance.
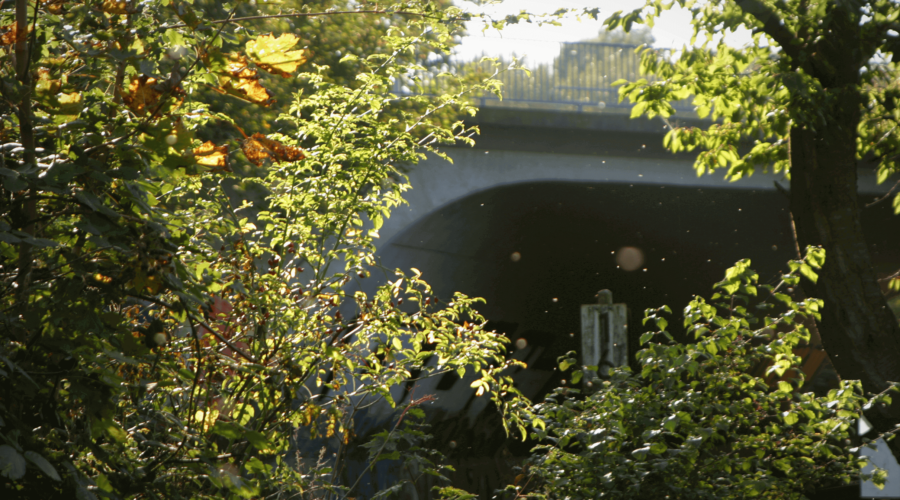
(114, 7)
(142, 94)
(238, 79)
(271, 54)
(48, 92)
(54, 6)
(210, 155)
(8, 34)
(258, 148)
(45, 86)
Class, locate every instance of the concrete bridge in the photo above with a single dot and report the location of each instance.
(531, 219)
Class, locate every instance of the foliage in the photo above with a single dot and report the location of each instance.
(170, 316)
(813, 97)
(693, 422)
(755, 95)
(338, 45)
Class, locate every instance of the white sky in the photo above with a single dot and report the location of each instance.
(541, 44)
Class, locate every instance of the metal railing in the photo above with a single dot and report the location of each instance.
(579, 79)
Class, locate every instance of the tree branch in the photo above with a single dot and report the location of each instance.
(304, 14)
(27, 214)
(773, 25)
(886, 196)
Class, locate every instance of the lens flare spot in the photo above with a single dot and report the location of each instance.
(630, 258)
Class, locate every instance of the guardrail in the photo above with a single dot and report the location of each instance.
(579, 79)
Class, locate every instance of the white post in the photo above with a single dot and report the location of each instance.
(604, 337)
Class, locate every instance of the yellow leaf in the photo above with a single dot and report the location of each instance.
(142, 95)
(210, 155)
(206, 419)
(272, 54)
(45, 86)
(241, 81)
(114, 7)
(54, 6)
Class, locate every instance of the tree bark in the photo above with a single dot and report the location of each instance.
(858, 329)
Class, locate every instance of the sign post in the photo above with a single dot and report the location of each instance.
(604, 337)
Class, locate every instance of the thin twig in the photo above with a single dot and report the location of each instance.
(886, 195)
(891, 277)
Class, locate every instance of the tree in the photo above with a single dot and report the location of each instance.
(164, 333)
(703, 420)
(813, 96)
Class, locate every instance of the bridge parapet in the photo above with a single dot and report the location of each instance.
(580, 79)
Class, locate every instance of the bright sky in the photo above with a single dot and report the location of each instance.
(541, 44)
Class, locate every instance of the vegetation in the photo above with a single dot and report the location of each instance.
(174, 293)
(813, 94)
(180, 245)
(694, 421)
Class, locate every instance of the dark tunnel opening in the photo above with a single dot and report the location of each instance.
(538, 251)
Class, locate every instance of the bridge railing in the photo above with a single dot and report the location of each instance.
(579, 79)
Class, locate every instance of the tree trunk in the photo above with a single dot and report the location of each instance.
(858, 329)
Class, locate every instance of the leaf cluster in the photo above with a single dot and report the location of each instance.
(694, 421)
(783, 79)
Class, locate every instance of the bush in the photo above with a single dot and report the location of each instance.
(693, 422)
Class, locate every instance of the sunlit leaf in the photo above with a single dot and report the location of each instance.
(143, 94)
(258, 148)
(238, 79)
(210, 155)
(273, 55)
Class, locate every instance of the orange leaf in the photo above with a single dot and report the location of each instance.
(8, 34)
(210, 155)
(258, 148)
(142, 94)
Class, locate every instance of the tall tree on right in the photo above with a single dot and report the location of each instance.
(815, 93)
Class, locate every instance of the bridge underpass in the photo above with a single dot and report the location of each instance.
(531, 218)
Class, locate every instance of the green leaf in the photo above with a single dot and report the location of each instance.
(258, 440)
(42, 463)
(807, 272)
(641, 453)
(755, 488)
(228, 430)
(658, 448)
(671, 423)
(790, 418)
(12, 464)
